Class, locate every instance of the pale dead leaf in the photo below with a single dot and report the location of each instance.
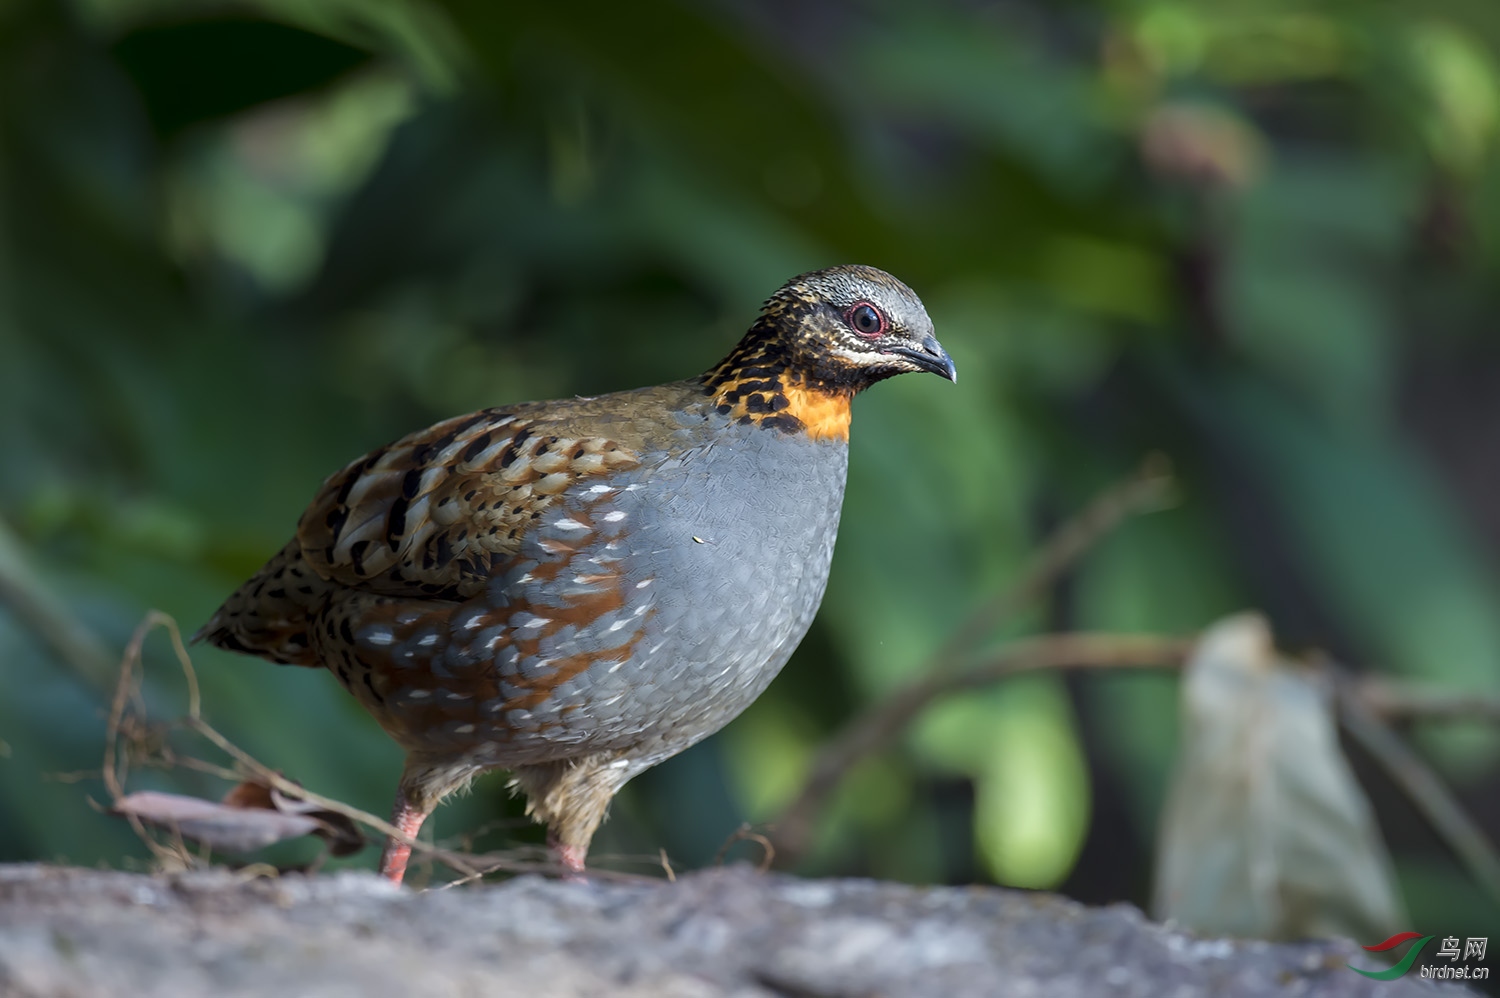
(340, 831)
(220, 827)
(251, 816)
(1266, 833)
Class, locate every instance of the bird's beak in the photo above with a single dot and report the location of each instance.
(930, 356)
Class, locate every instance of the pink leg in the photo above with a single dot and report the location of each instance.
(408, 818)
(569, 857)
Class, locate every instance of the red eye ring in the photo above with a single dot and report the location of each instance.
(866, 320)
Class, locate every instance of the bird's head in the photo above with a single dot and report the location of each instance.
(851, 326)
(826, 334)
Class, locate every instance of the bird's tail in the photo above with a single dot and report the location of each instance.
(271, 614)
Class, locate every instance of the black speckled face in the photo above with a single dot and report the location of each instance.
(855, 325)
(822, 338)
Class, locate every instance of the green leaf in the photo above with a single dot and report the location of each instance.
(1018, 743)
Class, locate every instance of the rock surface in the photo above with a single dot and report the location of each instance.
(724, 932)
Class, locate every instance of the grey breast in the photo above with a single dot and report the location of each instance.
(708, 563)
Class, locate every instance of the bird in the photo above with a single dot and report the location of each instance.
(575, 590)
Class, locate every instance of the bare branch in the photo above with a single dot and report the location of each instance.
(73, 643)
(1148, 490)
(469, 866)
(745, 833)
(877, 728)
(1395, 700)
(1417, 780)
(115, 763)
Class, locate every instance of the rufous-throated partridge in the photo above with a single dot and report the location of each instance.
(577, 590)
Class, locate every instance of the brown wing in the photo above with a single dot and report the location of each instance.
(434, 513)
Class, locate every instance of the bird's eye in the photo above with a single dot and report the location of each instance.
(866, 320)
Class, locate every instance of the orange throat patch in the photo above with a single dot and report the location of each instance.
(824, 416)
(790, 408)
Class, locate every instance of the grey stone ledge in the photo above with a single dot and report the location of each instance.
(722, 932)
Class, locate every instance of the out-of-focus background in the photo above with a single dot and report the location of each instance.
(240, 244)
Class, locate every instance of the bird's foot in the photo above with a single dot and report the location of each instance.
(409, 820)
(570, 858)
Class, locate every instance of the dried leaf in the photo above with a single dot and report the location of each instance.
(251, 816)
(1266, 833)
(339, 831)
(250, 793)
(220, 827)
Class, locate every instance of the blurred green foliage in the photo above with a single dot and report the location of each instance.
(241, 244)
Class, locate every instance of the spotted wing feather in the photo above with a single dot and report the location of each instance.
(437, 513)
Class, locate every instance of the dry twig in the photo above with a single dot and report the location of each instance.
(72, 642)
(745, 833)
(116, 763)
(1362, 702)
(1150, 489)
(472, 867)
(877, 728)
(1395, 700)
(1417, 780)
